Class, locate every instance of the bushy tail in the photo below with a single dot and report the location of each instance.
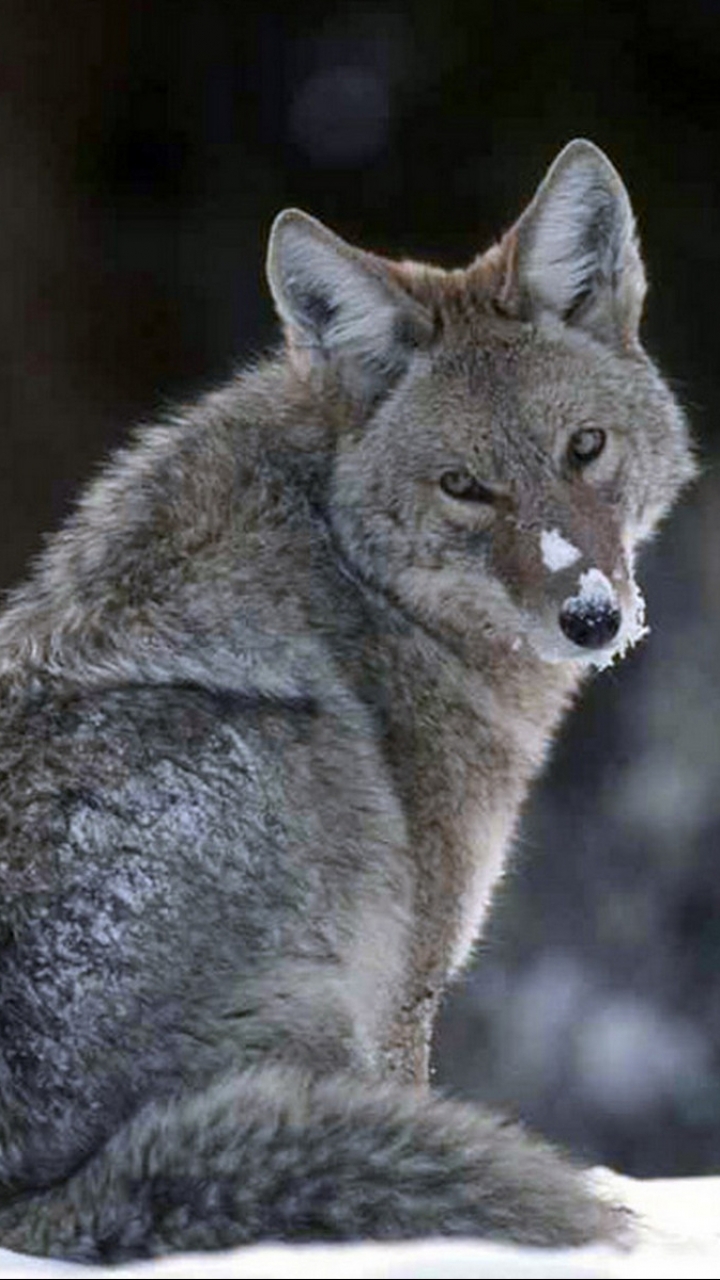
(275, 1155)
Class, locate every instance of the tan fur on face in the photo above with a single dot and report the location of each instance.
(270, 704)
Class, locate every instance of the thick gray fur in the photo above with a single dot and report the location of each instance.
(269, 706)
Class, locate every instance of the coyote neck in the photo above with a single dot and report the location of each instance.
(463, 744)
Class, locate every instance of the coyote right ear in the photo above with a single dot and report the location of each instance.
(574, 253)
(341, 306)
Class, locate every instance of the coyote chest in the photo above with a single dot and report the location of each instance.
(270, 705)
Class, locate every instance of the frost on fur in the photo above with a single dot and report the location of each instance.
(557, 552)
(269, 706)
(597, 592)
(595, 589)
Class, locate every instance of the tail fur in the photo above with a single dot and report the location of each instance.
(276, 1155)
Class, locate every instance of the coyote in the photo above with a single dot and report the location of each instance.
(269, 706)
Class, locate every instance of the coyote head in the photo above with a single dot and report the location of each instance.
(501, 442)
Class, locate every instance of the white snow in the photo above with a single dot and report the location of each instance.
(595, 588)
(677, 1236)
(557, 552)
(637, 621)
(632, 630)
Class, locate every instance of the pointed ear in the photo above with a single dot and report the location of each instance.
(341, 306)
(573, 253)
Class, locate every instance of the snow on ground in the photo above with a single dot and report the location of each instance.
(678, 1237)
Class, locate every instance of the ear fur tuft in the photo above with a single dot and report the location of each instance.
(340, 305)
(573, 253)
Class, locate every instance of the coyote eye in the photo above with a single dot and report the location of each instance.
(464, 487)
(585, 446)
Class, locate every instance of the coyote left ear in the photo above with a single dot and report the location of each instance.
(574, 253)
(341, 307)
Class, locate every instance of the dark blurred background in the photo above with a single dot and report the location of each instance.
(145, 146)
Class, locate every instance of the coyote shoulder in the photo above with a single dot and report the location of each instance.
(269, 705)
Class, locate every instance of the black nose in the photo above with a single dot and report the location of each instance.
(590, 624)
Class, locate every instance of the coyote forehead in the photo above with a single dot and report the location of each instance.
(495, 408)
(269, 706)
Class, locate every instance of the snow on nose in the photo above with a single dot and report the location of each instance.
(557, 553)
(591, 618)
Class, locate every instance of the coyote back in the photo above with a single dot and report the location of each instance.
(269, 706)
